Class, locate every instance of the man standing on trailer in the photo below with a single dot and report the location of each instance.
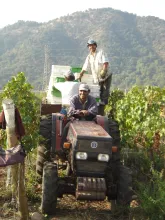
(97, 64)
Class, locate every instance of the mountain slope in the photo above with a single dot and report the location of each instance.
(135, 46)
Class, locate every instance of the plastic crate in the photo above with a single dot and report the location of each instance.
(97, 100)
(76, 69)
(55, 92)
(59, 79)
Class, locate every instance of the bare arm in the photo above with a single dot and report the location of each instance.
(85, 67)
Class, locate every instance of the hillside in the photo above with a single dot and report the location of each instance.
(135, 46)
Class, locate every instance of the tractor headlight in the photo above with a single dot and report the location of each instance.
(81, 155)
(103, 157)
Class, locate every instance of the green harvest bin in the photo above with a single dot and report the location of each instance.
(97, 99)
(59, 79)
(56, 92)
(76, 69)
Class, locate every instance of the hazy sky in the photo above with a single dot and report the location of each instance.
(43, 11)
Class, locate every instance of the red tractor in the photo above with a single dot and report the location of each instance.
(90, 158)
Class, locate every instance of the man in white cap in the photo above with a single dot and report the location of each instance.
(83, 105)
(97, 64)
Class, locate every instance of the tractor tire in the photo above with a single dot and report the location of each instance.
(49, 188)
(123, 179)
(114, 132)
(43, 150)
(114, 206)
(124, 185)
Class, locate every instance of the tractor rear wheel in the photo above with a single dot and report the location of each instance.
(49, 188)
(43, 150)
(124, 185)
(121, 196)
(114, 132)
(123, 178)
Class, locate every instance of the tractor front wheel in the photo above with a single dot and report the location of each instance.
(49, 188)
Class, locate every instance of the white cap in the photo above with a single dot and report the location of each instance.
(84, 87)
(69, 73)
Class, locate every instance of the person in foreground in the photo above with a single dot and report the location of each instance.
(82, 106)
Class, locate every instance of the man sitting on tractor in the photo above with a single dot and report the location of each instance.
(82, 106)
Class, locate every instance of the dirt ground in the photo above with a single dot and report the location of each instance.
(68, 209)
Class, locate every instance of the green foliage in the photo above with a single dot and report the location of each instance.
(139, 115)
(141, 118)
(152, 196)
(114, 97)
(19, 90)
(134, 48)
(3, 137)
(33, 190)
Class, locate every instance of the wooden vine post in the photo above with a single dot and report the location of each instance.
(18, 170)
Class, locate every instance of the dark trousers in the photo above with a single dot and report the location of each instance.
(105, 89)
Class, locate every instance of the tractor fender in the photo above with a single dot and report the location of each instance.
(57, 129)
(103, 122)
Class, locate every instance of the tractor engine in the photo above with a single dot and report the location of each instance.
(91, 152)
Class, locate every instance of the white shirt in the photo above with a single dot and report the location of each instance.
(94, 64)
(67, 89)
